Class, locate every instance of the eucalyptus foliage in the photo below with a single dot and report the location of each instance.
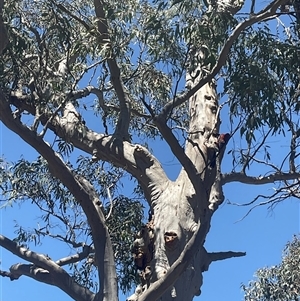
(280, 282)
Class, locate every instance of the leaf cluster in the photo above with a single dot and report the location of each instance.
(280, 282)
(55, 48)
(262, 80)
(61, 217)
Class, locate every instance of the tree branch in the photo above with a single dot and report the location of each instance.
(34, 272)
(22, 252)
(7, 274)
(136, 159)
(44, 270)
(260, 180)
(84, 194)
(293, 145)
(87, 26)
(178, 151)
(215, 256)
(64, 239)
(122, 127)
(249, 156)
(278, 196)
(92, 90)
(267, 13)
(76, 257)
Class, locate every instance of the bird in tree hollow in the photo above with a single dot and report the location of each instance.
(222, 141)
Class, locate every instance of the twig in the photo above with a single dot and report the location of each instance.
(250, 157)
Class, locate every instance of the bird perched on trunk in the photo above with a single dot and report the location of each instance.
(222, 141)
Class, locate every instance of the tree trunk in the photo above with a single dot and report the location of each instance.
(180, 207)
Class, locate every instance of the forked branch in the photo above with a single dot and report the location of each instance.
(137, 160)
(43, 269)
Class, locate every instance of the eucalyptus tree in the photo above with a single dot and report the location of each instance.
(140, 71)
(278, 282)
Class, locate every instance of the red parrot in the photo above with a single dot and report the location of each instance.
(222, 141)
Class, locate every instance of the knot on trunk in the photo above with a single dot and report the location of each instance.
(171, 240)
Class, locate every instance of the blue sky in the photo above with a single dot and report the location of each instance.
(262, 234)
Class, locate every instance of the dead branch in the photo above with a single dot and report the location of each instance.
(272, 200)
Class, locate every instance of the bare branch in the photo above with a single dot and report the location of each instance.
(252, 7)
(275, 168)
(45, 270)
(76, 257)
(260, 180)
(7, 274)
(286, 191)
(22, 252)
(32, 271)
(215, 256)
(111, 203)
(43, 132)
(64, 239)
(280, 194)
(249, 156)
(88, 91)
(271, 200)
(267, 13)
